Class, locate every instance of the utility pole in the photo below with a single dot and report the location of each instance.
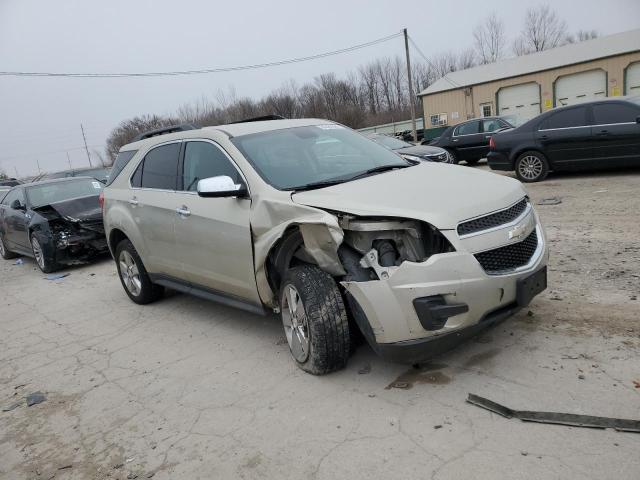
(38, 163)
(16, 169)
(412, 102)
(85, 145)
(69, 160)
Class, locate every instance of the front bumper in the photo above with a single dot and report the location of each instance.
(385, 310)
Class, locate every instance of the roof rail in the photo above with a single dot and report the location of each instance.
(164, 130)
(261, 119)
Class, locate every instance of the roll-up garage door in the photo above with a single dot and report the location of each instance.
(632, 80)
(521, 100)
(580, 87)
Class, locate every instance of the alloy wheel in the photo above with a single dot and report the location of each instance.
(129, 273)
(294, 320)
(530, 167)
(37, 252)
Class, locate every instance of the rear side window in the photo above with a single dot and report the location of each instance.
(467, 128)
(160, 167)
(572, 117)
(122, 160)
(205, 160)
(606, 113)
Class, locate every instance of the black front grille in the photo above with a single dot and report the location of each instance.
(493, 220)
(509, 257)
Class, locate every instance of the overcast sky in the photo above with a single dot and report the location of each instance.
(40, 117)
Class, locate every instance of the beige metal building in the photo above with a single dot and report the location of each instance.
(528, 85)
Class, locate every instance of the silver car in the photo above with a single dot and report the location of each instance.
(311, 220)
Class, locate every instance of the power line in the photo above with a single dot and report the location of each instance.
(205, 70)
(27, 155)
(445, 77)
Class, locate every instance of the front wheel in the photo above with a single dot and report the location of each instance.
(45, 259)
(451, 156)
(314, 320)
(532, 166)
(134, 277)
(472, 161)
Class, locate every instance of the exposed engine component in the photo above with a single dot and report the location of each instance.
(387, 242)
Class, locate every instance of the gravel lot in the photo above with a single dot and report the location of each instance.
(189, 389)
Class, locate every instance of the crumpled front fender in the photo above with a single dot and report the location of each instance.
(320, 231)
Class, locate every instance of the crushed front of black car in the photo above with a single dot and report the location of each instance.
(72, 231)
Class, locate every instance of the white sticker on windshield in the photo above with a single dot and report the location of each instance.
(96, 185)
(330, 126)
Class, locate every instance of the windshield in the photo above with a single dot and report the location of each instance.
(48, 193)
(390, 142)
(515, 120)
(294, 157)
(98, 173)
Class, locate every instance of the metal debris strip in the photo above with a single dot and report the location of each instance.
(550, 201)
(570, 419)
(35, 398)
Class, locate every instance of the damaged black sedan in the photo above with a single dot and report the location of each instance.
(57, 222)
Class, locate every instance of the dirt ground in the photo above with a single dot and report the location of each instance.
(187, 389)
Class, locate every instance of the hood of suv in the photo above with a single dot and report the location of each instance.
(440, 194)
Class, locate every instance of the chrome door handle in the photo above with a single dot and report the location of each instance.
(183, 211)
(133, 201)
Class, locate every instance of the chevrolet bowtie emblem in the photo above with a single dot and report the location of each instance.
(517, 232)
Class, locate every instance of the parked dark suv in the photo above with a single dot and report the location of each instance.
(600, 134)
(469, 141)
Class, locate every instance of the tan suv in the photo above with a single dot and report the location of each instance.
(334, 232)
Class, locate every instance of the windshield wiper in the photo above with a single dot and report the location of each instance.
(336, 181)
(320, 184)
(378, 169)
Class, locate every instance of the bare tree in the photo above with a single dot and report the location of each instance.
(489, 39)
(128, 129)
(543, 29)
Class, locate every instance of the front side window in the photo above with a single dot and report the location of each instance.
(607, 113)
(15, 194)
(48, 193)
(205, 160)
(571, 117)
(160, 167)
(292, 158)
(468, 128)
(492, 125)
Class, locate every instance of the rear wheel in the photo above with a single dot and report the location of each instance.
(43, 257)
(134, 277)
(4, 252)
(314, 320)
(531, 166)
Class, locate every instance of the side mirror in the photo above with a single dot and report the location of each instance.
(16, 205)
(221, 186)
(638, 119)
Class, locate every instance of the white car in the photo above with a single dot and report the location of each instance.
(314, 221)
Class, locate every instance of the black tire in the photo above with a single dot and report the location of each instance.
(148, 291)
(453, 157)
(325, 319)
(531, 166)
(43, 253)
(4, 252)
(472, 162)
